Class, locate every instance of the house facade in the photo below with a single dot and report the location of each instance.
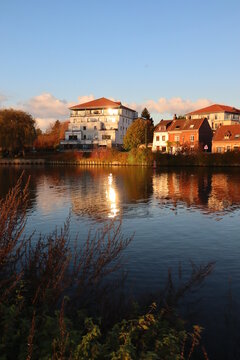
(188, 135)
(160, 136)
(226, 138)
(98, 123)
(217, 115)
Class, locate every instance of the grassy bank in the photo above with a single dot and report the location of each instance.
(142, 157)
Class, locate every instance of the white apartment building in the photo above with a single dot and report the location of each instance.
(98, 123)
(160, 136)
(217, 115)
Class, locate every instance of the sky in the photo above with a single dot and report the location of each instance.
(172, 56)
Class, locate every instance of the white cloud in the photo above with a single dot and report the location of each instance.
(46, 108)
(175, 105)
(46, 105)
(85, 98)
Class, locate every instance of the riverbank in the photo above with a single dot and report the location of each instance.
(135, 157)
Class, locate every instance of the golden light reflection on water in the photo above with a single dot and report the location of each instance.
(111, 196)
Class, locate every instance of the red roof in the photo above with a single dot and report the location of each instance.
(227, 133)
(214, 109)
(163, 124)
(186, 124)
(99, 103)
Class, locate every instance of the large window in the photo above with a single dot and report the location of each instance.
(176, 138)
(163, 138)
(157, 138)
(191, 138)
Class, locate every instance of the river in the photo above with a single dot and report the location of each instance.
(177, 216)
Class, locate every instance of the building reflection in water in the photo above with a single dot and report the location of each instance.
(210, 192)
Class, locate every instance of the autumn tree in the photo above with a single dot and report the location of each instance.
(17, 130)
(139, 132)
(50, 140)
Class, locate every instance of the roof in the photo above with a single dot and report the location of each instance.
(164, 123)
(99, 103)
(215, 108)
(229, 131)
(186, 124)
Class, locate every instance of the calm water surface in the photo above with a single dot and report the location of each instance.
(176, 215)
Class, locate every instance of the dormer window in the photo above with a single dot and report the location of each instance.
(227, 135)
(237, 136)
(177, 126)
(191, 126)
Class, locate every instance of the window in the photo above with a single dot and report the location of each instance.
(84, 137)
(84, 127)
(191, 138)
(178, 127)
(216, 117)
(237, 136)
(228, 148)
(191, 126)
(227, 135)
(219, 149)
(95, 128)
(176, 137)
(106, 137)
(236, 148)
(157, 138)
(163, 138)
(72, 137)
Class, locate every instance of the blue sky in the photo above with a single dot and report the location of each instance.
(185, 53)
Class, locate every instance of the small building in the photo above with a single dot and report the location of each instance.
(189, 135)
(98, 123)
(226, 138)
(217, 115)
(160, 136)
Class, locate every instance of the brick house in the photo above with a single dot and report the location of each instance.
(226, 138)
(189, 134)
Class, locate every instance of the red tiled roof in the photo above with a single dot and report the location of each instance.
(164, 123)
(214, 109)
(186, 124)
(229, 130)
(99, 103)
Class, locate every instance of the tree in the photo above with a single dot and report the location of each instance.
(51, 138)
(139, 132)
(17, 130)
(146, 115)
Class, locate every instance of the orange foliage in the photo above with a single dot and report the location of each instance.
(52, 137)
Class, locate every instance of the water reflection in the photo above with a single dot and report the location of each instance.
(111, 196)
(102, 193)
(203, 190)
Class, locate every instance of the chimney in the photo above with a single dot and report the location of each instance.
(174, 117)
(188, 117)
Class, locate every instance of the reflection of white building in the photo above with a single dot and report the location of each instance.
(100, 122)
